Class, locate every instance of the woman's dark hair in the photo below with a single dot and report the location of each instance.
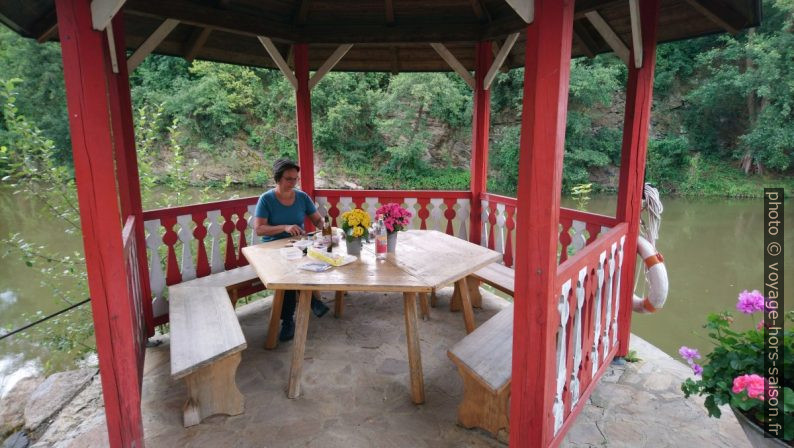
(282, 165)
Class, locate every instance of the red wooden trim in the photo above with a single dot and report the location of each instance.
(589, 254)
(490, 197)
(542, 144)
(592, 218)
(428, 194)
(127, 164)
(479, 136)
(303, 103)
(583, 397)
(173, 212)
(86, 76)
(639, 96)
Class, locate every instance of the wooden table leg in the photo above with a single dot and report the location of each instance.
(299, 347)
(474, 291)
(414, 353)
(424, 305)
(339, 303)
(275, 317)
(465, 302)
(454, 301)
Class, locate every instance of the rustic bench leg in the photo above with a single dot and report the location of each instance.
(433, 299)
(275, 317)
(339, 303)
(454, 302)
(299, 347)
(424, 305)
(211, 390)
(474, 291)
(465, 302)
(414, 354)
(482, 407)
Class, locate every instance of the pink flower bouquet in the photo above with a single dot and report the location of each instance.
(395, 217)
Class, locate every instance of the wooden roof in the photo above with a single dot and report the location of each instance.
(389, 35)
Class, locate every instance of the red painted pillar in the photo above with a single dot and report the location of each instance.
(127, 162)
(639, 95)
(480, 127)
(85, 67)
(546, 79)
(303, 103)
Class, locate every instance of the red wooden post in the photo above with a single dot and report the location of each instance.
(85, 67)
(546, 78)
(127, 162)
(639, 94)
(479, 138)
(303, 103)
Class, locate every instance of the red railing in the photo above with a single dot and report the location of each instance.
(577, 228)
(588, 286)
(135, 290)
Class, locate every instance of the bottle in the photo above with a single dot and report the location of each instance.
(327, 234)
(380, 240)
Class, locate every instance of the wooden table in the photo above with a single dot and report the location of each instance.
(424, 261)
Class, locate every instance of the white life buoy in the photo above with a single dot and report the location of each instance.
(656, 274)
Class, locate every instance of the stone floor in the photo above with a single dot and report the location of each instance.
(355, 390)
(355, 393)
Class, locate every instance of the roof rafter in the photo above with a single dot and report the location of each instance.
(581, 34)
(389, 4)
(524, 8)
(636, 32)
(499, 60)
(720, 13)
(454, 63)
(271, 49)
(609, 35)
(329, 64)
(150, 43)
(195, 42)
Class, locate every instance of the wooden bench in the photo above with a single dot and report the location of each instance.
(206, 341)
(495, 274)
(485, 359)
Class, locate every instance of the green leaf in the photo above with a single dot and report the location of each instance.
(788, 400)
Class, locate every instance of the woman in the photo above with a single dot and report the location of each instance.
(280, 213)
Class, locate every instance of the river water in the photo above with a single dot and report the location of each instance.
(713, 250)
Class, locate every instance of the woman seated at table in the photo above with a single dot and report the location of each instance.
(280, 213)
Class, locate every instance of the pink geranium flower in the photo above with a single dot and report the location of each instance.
(753, 384)
(689, 354)
(750, 302)
(395, 217)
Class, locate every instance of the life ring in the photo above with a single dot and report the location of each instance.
(656, 274)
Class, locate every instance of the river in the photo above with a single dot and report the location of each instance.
(713, 250)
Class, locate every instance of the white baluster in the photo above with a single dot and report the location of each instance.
(597, 308)
(322, 205)
(562, 340)
(156, 276)
(501, 232)
(577, 338)
(345, 204)
(371, 205)
(608, 289)
(436, 220)
(215, 231)
(186, 237)
(617, 291)
(410, 204)
(578, 240)
(253, 239)
(463, 218)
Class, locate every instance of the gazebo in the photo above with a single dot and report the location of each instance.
(574, 270)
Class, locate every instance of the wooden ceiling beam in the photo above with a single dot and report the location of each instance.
(389, 4)
(636, 32)
(584, 6)
(524, 8)
(454, 63)
(45, 27)
(587, 42)
(499, 60)
(196, 42)
(720, 13)
(329, 64)
(480, 11)
(395, 60)
(150, 43)
(609, 35)
(300, 16)
(102, 12)
(279, 60)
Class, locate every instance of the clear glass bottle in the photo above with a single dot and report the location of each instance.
(381, 246)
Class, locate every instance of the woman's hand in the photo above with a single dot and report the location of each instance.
(294, 230)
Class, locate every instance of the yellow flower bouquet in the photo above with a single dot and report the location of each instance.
(355, 224)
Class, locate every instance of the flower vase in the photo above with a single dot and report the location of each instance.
(391, 242)
(354, 247)
(755, 433)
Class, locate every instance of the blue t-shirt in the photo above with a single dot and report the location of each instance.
(278, 214)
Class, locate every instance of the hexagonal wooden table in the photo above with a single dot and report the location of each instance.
(424, 260)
